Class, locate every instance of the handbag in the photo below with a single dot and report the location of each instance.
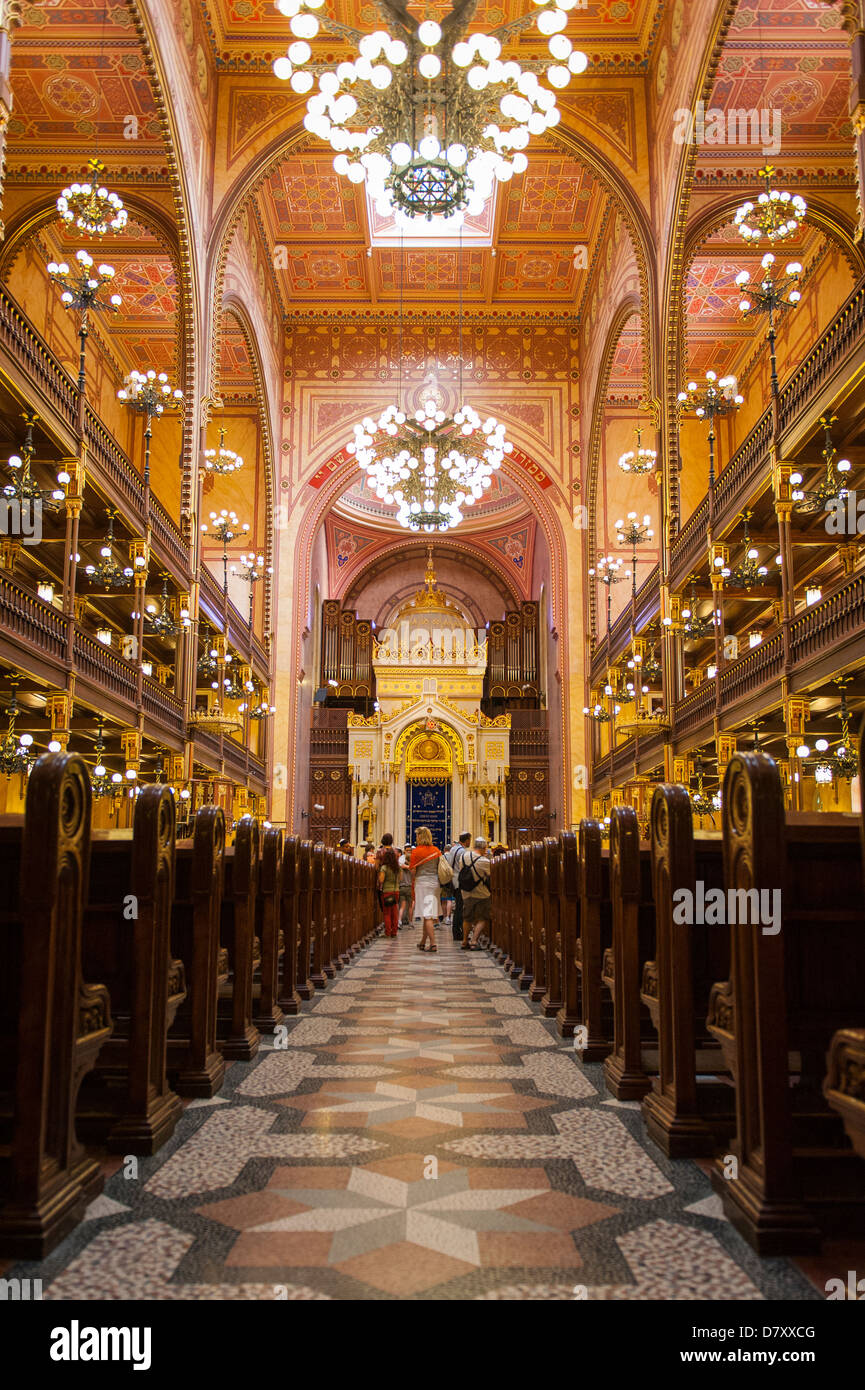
(445, 872)
(389, 899)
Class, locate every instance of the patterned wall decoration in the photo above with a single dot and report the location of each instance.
(426, 272)
(555, 197)
(236, 376)
(304, 198)
(517, 353)
(517, 547)
(345, 544)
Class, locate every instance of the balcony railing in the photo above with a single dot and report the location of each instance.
(646, 607)
(827, 356)
(825, 625)
(32, 353)
(752, 671)
(694, 709)
(39, 626)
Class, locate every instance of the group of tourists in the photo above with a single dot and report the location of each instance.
(430, 886)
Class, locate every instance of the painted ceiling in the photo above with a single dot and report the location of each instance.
(252, 31)
(719, 337)
(318, 226)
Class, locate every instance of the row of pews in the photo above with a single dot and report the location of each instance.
(134, 967)
(719, 978)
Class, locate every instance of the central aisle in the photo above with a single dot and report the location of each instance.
(424, 1133)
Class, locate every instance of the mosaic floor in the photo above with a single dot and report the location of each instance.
(423, 1134)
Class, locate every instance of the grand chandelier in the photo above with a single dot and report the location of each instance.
(430, 464)
(775, 215)
(428, 115)
(90, 206)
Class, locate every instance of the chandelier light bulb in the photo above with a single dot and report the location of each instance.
(429, 66)
(429, 33)
(304, 26)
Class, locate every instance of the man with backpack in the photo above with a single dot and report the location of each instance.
(474, 883)
(455, 856)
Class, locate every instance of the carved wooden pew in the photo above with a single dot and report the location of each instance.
(789, 989)
(527, 943)
(633, 942)
(593, 941)
(503, 907)
(126, 1101)
(551, 1000)
(305, 987)
(195, 1066)
(238, 1038)
(687, 1112)
(537, 860)
(289, 998)
(844, 1086)
(330, 945)
(317, 917)
(267, 1014)
(52, 1024)
(568, 1016)
(522, 957)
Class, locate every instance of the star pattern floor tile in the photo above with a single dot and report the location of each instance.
(420, 1132)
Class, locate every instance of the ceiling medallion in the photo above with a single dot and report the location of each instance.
(430, 465)
(90, 207)
(429, 115)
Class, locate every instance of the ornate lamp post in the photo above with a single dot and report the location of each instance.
(749, 573)
(633, 534)
(227, 528)
(81, 291)
(149, 394)
(23, 488)
(717, 398)
(769, 294)
(15, 750)
(606, 571)
(252, 569)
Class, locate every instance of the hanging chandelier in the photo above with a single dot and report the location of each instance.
(639, 460)
(100, 778)
(107, 574)
(832, 487)
(749, 573)
(23, 487)
(222, 460)
(162, 620)
(429, 116)
(15, 751)
(90, 206)
(431, 465)
(775, 215)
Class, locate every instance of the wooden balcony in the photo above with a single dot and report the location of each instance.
(835, 359)
(34, 638)
(34, 371)
(227, 618)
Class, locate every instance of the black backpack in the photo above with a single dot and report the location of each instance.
(468, 879)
